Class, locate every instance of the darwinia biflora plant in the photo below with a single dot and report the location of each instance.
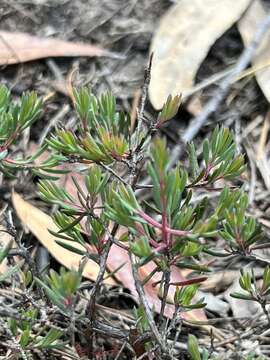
(169, 228)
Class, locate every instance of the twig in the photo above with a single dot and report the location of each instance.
(104, 329)
(166, 285)
(137, 144)
(58, 116)
(24, 251)
(7, 312)
(55, 70)
(145, 304)
(266, 313)
(212, 105)
(243, 335)
(147, 78)
(113, 173)
(120, 351)
(96, 289)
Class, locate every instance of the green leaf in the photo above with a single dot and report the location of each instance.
(13, 270)
(141, 247)
(25, 338)
(49, 341)
(206, 151)
(4, 98)
(5, 250)
(190, 249)
(70, 247)
(184, 295)
(193, 160)
(193, 347)
(107, 105)
(53, 296)
(86, 105)
(13, 326)
(241, 296)
(3, 154)
(245, 281)
(266, 278)
(169, 109)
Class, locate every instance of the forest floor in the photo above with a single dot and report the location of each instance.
(126, 29)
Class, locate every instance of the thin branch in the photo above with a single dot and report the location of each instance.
(135, 152)
(96, 289)
(113, 173)
(146, 307)
(147, 78)
(166, 285)
(54, 120)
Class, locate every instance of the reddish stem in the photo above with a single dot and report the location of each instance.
(149, 220)
(159, 226)
(141, 231)
(177, 232)
(189, 281)
(184, 282)
(10, 140)
(207, 171)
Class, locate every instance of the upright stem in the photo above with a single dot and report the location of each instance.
(91, 306)
(265, 311)
(135, 152)
(146, 307)
(147, 78)
(166, 282)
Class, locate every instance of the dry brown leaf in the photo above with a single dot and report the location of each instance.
(195, 105)
(247, 26)
(18, 47)
(182, 41)
(38, 223)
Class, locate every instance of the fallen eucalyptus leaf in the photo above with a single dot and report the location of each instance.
(16, 47)
(247, 26)
(185, 35)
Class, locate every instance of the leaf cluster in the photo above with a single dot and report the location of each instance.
(103, 134)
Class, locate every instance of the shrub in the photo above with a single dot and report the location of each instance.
(169, 228)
